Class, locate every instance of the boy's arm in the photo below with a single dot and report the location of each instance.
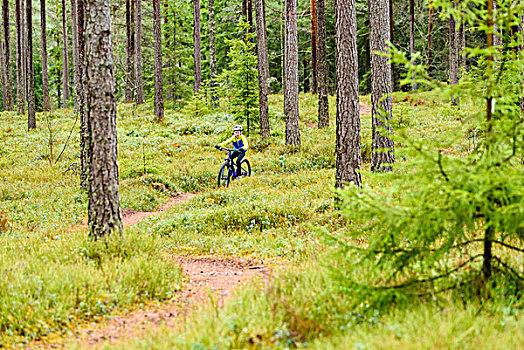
(246, 144)
(225, 142)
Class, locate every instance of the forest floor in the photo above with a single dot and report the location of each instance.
(209, 281)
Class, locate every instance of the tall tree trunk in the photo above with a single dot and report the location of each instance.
(521, 49)
(31, 115)
(244, 17)
(250, 16)
(174, 58)
(263, 69)
(7, 56)
(430, 32)
(414, 86)
(314, 41)
(323, 105)
(20, 85)
(84, 136)
(453, 56)
(24, 50)
(139, 85)
(3, 74)
(76, 69)
(130, 50)
(168, 79)
(104, 202)
(46, 101)
(462, 45)
(348, 152)
(159, 82)
(212, 51)
(381, 88)
(497, 34)
(291, 75)
(196, 42)
(391, 40)
(65, 58)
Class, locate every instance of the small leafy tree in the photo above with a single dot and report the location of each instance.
(450, 221)
(240, 80)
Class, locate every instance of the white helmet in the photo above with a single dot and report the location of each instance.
(237, 128)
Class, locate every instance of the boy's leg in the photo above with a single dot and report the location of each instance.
(239, 159)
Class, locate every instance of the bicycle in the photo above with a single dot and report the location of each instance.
(227, 170)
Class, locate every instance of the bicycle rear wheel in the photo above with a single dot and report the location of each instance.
(245, 167)
(224, 176)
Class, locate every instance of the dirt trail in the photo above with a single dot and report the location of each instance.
(207, 279)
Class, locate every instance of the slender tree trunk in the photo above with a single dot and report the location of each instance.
(263, 69)
(104, 203)
(323, 104)
(497, 34)
(453, 57)
(381, 88)
(250, 16)
(84, 136)
(430, 31)
(521, 49)
(3, 73)
(139, 85)
(168, 79)
(174, 57)
(31, 115)
(7, 56)
(462, 45)
(196, 41)
(20, 102)
(414, 86)
(291, 75)
(159, 82)
(130, 50)
(24, 50)
(76, 69)
(348, 152)
(391, 40)
(244, 17)
(314, 43)
(46, 101)
(65, 58)
(212, 50)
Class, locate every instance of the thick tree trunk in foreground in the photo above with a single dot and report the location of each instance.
(348, 119)
(139, 85)
(31, 115)
(20, 86)
(291, 75)
(196, 41)
(104, 203)
(263, 69)
(130, 49)
(7, 57)
(414, 86)
(46, 101)
(84, 157)
(453, 57)
(159, 82)
(323, 104)
(382, 157)
(314, 40)
(212, 50)
(76, 69)
(65, 58)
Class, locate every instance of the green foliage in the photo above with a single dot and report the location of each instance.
(240, 80)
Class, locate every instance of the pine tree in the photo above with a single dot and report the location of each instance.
(65, 58)
(159, 82)
(196, 43)
(139, 85)
(31, 115)
(46, 101)
(323, 104)
(291, 75)
(263, 69)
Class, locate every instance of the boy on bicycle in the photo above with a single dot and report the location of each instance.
(240, 145)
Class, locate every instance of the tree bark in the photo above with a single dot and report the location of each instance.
(46, 101)
(348, 154)
(430, 32)
(168, 78)
(291, 75)
(104, 203)
(76, 69)
(314, 41)
(84, 157)
(159, 82)
(174, 58)
(521, 49)
(139, 85)
(323, 104)
(414, 86)
(31, 115)
(497, 35)
(263, 69)
(462, 45)
(24, 50)
(7, 56)
(381, 88)
(453, 57)
(130, 49)
(20, 85)
(391, 40)
(65, 58)
(196, 42)
(3, 73)
(212, 51)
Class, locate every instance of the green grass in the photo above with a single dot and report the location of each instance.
(53, 277)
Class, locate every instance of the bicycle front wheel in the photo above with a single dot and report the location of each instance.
(224, 176)
(245, 167)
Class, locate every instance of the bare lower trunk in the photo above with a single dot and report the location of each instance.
(65, 58)
(291, 75)
(7, 57)
(453, 57)
(461, 46)
(381, 89)
(159, 82)
(130, 50)
(212, 51)
(3, 73)
(20, 102)
(263, 69)
(497, 34)
(46, 101)
(84, 157)
(76, 70)
(196, 42)
(414, 86)
(323, 103)
(314, 31)
(104, 203)
(139, 85)
(521, 49)
(348, 152)
(31, 115)
(430, 33)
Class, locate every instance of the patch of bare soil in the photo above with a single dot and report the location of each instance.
(208, 280)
